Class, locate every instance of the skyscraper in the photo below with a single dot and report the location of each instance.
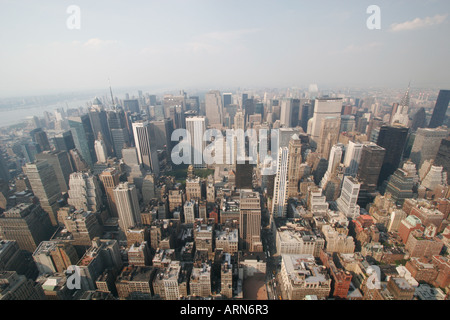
(163, 131)
(127, 203)
(131, 105)
(227, 99)
(110, 180)
(64, 141)
(45, 186)
(84, 192)
(99, 124)
(279, 201)
(100, 151)
(214, 108)
(352, 158)
(329, 135)
(196, 127)
(60, 161)
(83, 137)
(290, 109)
(440, 109)
(426, 144)
(250, 220)
(393, 139)
(349, 197)
(295, 160)
(333, 163)
(323, 108)
(147, 155)
(40, 137)
(26, 223)
(117, 124)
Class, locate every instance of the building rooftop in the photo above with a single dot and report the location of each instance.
(301, 268)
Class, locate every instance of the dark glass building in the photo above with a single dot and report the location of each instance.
(440, 109)
(393, 139)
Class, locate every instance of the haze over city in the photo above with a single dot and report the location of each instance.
(213, 44)
(227, 156)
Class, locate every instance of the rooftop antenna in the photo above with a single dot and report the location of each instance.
(110, 90)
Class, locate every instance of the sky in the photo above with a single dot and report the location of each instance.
(221, 43)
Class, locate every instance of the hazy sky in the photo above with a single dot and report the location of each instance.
(212, 43)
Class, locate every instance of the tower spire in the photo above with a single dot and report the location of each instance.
(406, 98)
(110, 90)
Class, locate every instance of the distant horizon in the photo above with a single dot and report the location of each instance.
(57, 47)
(132, 90)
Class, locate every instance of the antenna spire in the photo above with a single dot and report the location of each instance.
(110, 90)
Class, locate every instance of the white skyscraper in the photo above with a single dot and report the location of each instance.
(196, 127)
(333, 162)
(323, 108)
(147, 155)
(127, 205)
(349, 196)
(352, 158)
(84, 191)
(279, 204)
(100, 151)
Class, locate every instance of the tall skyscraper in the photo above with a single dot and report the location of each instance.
(120, 135)
(369, 168)
(250, 220)
(40, 137)
(45, 186)
(163, 132)
(333, 163)
(419, 120)
(347, 202)
(329, 135)
(196, 127)
(83, 137)
(110, 180)
(99, 124)
(393, 139)
(323, 108)
(100, 151)
(60, 161)
(347, 123)
(27, 224)
(64, 141)
(400, 115)
(279, 201)
(227, 99)
(440, 109)
(147, 155)
(352, 158)
(426, 144)
(214, 108)
(239, 120)
(85, 192)
(127, 203)
(290, 109)
(295, 160)
(131, 105)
